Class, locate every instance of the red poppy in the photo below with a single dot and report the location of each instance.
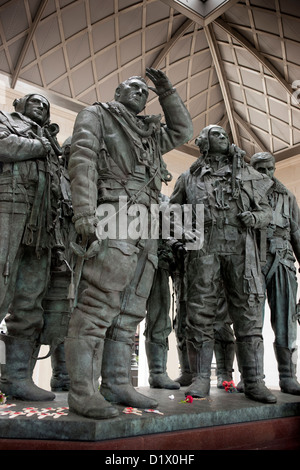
(229, 386)
(2, 398)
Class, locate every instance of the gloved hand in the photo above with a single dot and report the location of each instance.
(235, 150)
(46, 144)
(177, 247)
(193, 239)
(247, 218)
(86, 225)
(180, 251)
(160, 80)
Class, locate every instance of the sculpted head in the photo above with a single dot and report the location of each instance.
(213, 140)
(133, 94)
(34, 106)
(263, 162)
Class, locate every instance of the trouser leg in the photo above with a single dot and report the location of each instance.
(224, 342)
(84, 347)
(56, 319)
(116, 374)
(11, 252)
(26, 312)
(60, 381)
(104, 277)
(158, 328)
(282, 300)
(203, 280)
(282, 291)
(246, 313)
(185, 377)
(24, 324)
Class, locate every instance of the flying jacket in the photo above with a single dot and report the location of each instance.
(112, 157)
(29, 181)
(224, 233)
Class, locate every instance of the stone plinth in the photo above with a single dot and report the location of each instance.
(219, 410)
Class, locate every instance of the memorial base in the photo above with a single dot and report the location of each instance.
(222, 421)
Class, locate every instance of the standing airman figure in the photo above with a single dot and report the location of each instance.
(29, 194)
(234, 198)
(282, 239)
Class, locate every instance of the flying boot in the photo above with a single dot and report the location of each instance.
(287, 364)
(224, 353)
(157, 361)
(200, 359)
(116, 386)
(250, 358)
(16, 374)
(84, 360)
(186, 375)
(60, 381)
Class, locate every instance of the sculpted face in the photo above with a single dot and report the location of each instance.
(37, 108)
(218, 141)
(265, 167)
(133, 93)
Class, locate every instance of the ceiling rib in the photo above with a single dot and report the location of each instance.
(263, 78)
(91, 46)
(249, 131)
(287, 153)
(258, 55)
(28, 41)
(224, 121)
(168, 46)
(285, 62)
(211, 39)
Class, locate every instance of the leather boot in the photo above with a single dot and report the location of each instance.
(116, 383)
(16, 374)
(250, 359)
(84, 359)
(287, 364)
(200, 363)
(60, 381)
(186, 375)
(224, 353)
(157, 361)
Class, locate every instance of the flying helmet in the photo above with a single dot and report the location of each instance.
(20, 106)
(261, 157)
(202, 141)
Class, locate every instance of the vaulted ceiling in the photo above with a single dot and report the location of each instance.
(236, 63)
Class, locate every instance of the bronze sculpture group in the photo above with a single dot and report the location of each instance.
(52, 210)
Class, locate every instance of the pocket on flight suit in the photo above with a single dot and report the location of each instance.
(118, 265)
